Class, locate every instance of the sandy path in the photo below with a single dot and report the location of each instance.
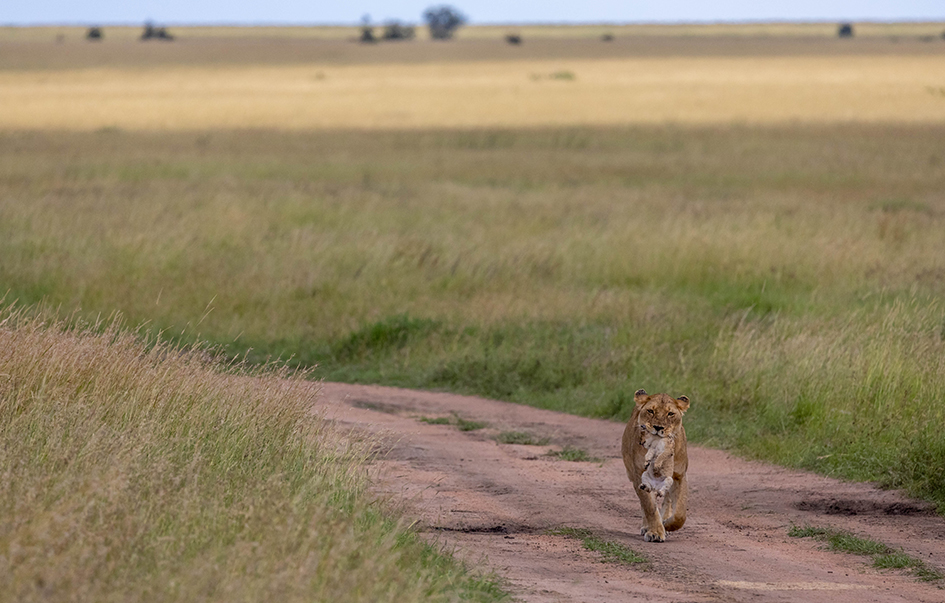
(494, 502)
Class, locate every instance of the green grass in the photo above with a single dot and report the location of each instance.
(456, 420)
(918, 568)
(787, 279)
(437, 420)
(468, 425)
(839, 540)
(137, 471)
(883, 556)
(521, 438)
(576, 455)
(611, 552)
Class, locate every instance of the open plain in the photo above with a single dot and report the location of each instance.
(334, 83)
(752, 216)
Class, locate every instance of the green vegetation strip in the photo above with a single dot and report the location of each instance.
(577, 455)
(611, 552)
(457, 421)
(884, 557)
(521, 438)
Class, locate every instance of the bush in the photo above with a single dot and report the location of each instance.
(396, 30)
(443, 21)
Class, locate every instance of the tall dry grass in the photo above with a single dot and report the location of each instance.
(856, 395)
(143, 473)
(268, 236)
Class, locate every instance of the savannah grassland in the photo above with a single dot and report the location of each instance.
(755, 220)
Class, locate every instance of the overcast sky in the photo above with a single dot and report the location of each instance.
(24, 12)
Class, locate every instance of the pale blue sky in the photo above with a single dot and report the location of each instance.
(23, 12)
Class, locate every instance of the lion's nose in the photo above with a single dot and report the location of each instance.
(658, 427)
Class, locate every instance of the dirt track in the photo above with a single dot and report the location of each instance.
(494, 503)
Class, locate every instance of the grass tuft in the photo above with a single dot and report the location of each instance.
(918, 568)
(577, 455)
(883, 556)
(437, 420)
(521, 438)
(468, 425)
(460, 423)
(611, 552)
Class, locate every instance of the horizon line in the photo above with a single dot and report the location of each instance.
(872, 21)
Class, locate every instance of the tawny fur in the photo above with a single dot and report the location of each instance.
(656, 422)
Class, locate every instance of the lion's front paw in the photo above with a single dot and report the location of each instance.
(649, 536)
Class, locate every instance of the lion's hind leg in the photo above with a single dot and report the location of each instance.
(675, 503)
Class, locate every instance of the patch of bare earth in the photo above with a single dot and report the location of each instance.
(494, 503)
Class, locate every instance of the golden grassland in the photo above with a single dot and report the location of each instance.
(510, 94)
(237, 83)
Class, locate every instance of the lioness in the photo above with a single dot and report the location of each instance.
(657, 416)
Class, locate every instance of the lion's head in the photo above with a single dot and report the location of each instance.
(660, 415)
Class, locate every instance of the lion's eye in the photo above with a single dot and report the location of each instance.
(672, 414)
(649, 410)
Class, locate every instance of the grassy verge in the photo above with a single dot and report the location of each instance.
(611, 552)
(884, 557)
(786, 279)
(136, 473)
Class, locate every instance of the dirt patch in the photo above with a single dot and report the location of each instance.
(495, 503)
(833, 506)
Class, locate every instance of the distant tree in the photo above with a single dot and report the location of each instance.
(607, 37)
(155, 33)
(94, 33)
(367, 32)
(513, 39)
(443, 20)
(395, 30)
(845, 30)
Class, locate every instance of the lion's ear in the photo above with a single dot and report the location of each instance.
(640, 397)
(683, 403)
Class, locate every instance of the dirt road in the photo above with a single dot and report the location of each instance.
(496, 502)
